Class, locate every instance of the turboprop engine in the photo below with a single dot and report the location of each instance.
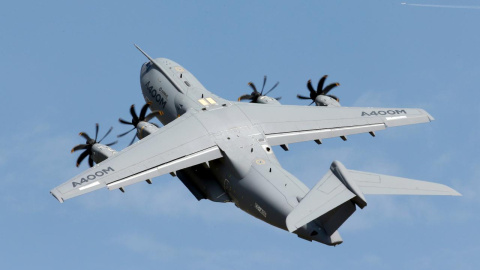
(95, 151)
(320, 96)
(260, 97)
(140, 122)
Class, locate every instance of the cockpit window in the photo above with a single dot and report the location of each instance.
(148, 66)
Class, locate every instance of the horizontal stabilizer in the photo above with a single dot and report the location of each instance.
(334, 198)
(371, 183)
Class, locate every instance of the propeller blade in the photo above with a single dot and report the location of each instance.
(90, 161)
(135, 136)
(253, 87)
(320, 85)
(334, 97)
(278, 98)
(310, 88)
(311, 103)
(85, 135)
(112, 143)
(302, 97)
(329, 87)
(106, 134)
(134, 114)
(272, 88)
(124, 122)
(244, 97)
(79, 147)
(125, 133)
(151, 115)
(264, 82)
(82, 157)
(96, 131)
(143, 112)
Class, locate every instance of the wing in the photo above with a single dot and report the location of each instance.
(290, 124)
(182, 143)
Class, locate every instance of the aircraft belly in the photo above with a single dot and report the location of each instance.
(262, 199)
(249, 171)
(253, 178)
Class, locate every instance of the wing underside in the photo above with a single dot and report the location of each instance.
(181, 144)
(290, 124)
(186, 142)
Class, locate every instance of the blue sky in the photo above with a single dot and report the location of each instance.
(66, 66)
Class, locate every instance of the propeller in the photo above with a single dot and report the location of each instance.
(255, 94)
(88, 145)
(320, 90)
(137, 119)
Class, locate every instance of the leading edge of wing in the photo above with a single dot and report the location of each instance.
(290, 124)
(180, 144)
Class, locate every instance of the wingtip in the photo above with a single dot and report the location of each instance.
(456, 193)
(450, 191)
(429, 116)
(55, 193)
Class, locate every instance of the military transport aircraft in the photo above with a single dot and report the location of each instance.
(222, 151)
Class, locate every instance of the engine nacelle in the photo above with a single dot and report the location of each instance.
(145, 128)
(322, 100)
(267, 100)
(101, 152)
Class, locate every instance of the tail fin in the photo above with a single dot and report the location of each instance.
(335, 197)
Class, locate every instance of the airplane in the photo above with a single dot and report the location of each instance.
(222, 151)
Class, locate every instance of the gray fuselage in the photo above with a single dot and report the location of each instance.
(249, 174)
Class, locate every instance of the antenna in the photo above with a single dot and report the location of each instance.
(160, 68)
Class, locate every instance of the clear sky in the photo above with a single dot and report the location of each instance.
(65, 66)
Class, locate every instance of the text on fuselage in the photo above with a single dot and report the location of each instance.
(156, 95)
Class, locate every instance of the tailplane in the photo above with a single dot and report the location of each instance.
(335, 198)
